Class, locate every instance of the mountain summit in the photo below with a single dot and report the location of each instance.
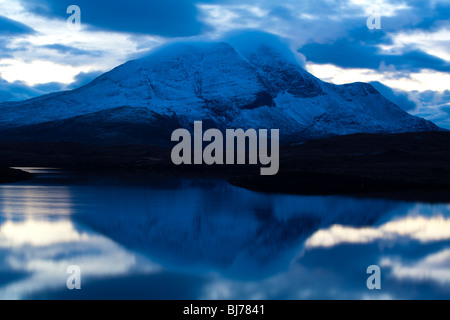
(143, 100)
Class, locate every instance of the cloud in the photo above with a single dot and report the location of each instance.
(11, 27)
(424, 15)
(301, 21)
(168, 18)
(5, 52)
(19, 90)
(433, 105)
(399, 97)
(435, 42)
(247, 41)
(356, 53)
(83, 78)
(50, 87)
(55, 53)
(68, 50)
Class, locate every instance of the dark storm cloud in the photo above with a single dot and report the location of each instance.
(159, 17)
(11, 27)
(354, 53)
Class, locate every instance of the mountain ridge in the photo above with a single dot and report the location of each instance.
(213, 82)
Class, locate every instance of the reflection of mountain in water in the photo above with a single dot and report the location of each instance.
(214, 224)
(249, 240)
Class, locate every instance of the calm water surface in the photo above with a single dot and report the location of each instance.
(187, 239)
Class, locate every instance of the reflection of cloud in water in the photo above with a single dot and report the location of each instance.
(44, 261)
(38, 233)
(38, 242)
(420, 228)
(435, 267)
(24, 201)
(296, 283)
(413, 250)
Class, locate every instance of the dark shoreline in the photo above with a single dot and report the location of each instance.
(409, 166)
(9, 175)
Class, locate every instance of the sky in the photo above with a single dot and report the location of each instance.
(400, 47)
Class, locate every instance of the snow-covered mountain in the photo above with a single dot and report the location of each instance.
(261, 87)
